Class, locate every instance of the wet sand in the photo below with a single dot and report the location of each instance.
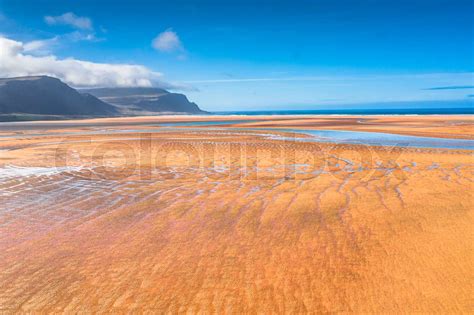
(216, 221)
(439, 126)
(425, 126)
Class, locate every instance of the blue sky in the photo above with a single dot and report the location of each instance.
(244, 55)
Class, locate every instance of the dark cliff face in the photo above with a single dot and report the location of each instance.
(146, 100)
(48, 96)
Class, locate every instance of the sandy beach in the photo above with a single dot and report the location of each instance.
(439, 126)
(118, 215)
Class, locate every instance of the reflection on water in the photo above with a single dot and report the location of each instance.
(330, 136)
(383, 139)
(348, 137)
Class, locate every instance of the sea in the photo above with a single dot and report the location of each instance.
(378, 111)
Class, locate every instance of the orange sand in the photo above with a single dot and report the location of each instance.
(439, 126)
(226, 221)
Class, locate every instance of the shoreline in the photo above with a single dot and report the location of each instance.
(433, 126)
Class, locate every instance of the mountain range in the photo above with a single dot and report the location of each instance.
(44, 97)
(141, 99)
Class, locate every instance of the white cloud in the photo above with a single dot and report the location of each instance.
(15, 61)
(77, 36)
(42, 46)
(47, 46)
(167, 41)
(69, 18)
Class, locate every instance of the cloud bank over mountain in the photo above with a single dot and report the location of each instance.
(16, 59)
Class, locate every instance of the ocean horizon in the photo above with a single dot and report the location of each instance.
(380, 111)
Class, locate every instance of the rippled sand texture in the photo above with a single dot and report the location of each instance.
(225, 222)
